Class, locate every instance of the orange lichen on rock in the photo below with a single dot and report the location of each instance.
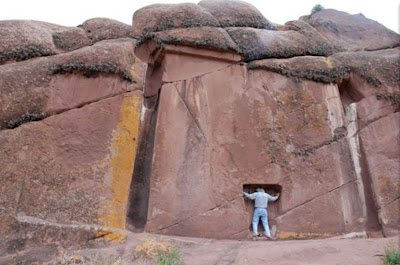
(121, 164)
(112, 236)
(294, 235)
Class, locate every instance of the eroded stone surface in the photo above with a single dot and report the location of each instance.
(352, 32)
(98, 29)
(335, 67)
(159, 17)
(34, 89)
(256, 44)
(321, 129)
(71, 169)
(380, 143)
(25, 39)
(250, 128)
(236, 14)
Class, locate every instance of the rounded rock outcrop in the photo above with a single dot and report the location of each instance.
(352, 32)
(160, 17)
(236, 14)
(25, 39)
(98, 29)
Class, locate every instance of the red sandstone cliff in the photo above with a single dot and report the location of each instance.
(160, 126)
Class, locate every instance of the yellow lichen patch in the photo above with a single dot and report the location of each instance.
(112, 236)
(361, 220)
(328, 62)
(121, 164)
(265, 116)
(295, 235)
(278, 63)
(135, 69)
(387, 186)
(259, 62)
(152, 246)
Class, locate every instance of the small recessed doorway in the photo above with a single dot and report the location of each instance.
(273, 207)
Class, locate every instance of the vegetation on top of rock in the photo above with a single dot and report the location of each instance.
(394, 98)
(24, 54)
(317, 8)
(203, 37)
(90, 70)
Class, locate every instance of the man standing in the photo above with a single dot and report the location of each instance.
(260, 209)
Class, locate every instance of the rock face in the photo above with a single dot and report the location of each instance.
(295, 118)
(161, 126)
(69, 133)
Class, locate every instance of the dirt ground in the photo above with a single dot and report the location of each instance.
(138, 248)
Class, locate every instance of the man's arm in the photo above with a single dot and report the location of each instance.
(273, 198)
(250, 196)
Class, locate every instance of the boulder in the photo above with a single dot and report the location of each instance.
(25, 39)
(209, 38)
(98, 29)
(234, 13)
(35, 89)
(256, 44)
(335, 67)
(159, 17)
(352, 32)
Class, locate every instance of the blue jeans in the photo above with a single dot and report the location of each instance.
(260, 213)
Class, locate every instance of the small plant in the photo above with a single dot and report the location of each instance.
(317, 8)
(392, 255)
(168, 257)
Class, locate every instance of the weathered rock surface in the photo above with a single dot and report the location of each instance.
(352, 32)
(335, 68)
(380, 145)
(249, 129)
(215, 100)
(70, 170)
(264, 124)
(256, 44)
(159, 17)
(25, 39)
(236, 14)
(34, 89)
(98, 29)
(201, 37)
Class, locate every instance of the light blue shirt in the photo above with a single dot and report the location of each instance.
(261, 199)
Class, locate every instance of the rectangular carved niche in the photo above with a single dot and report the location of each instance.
(273, 207)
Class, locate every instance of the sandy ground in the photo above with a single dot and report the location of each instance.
(198, 251)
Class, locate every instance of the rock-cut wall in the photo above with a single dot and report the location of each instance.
(161, 126)
(309, 109)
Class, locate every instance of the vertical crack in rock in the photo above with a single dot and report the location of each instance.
(19, 197)
(140, 185)
(196, 122)
(353, 139)
(362, 172)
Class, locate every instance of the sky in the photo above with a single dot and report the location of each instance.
(75, 12)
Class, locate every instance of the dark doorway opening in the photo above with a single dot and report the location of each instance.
(274, 208)
(140, 185)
